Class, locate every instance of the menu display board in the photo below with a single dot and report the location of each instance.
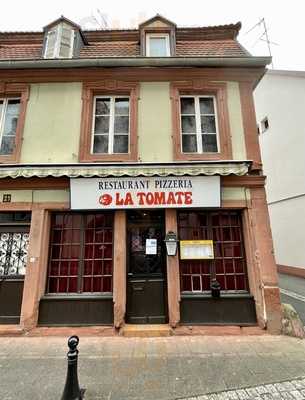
(196, 249)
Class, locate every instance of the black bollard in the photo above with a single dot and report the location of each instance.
(72, 390)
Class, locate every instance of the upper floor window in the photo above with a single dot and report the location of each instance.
(201, 126)
(13, 101)
(9, 113)
(59, 41)
(109, 121)
(157, 45)
(198, 124)
(110, 133)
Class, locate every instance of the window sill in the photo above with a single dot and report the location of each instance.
(199, 156)
(223, 295)
(78, 296)
(108, 157)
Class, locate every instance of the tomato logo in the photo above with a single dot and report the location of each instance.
(105, 199)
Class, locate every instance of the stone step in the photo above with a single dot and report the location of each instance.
(11, 330)
(147, 330)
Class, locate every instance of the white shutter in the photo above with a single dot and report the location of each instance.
(66, 42)
(51, 43)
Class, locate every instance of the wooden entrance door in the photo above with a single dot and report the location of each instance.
(146, 266)
(14, 241)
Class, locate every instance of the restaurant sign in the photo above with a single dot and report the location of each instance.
(145, 192)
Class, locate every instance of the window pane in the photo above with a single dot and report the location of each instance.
(122, 106)
(7, 145)
(187, 105)
(189, 143)
(11, 117)
(100, 144)
(208, 124)
(64, 50)
(120, 144)
(188, 124)
(157, 47)
(13, 107)
(102, 107)
(206, 106)
(209, 143)
(101, 125)
(66, 35)
(121, 124)
(10, 125)
(51, 43)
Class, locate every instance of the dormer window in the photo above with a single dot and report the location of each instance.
(63, 39)
(59, 41)
(158, 37)
(157, 45)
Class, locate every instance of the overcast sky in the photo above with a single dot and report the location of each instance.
(285, 20)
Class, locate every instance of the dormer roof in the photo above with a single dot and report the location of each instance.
(157, 18)
(59, 20)
(68, 22)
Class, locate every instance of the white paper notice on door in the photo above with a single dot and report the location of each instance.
(151, 246)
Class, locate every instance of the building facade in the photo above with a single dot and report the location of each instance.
(115, 146)
(282, 141)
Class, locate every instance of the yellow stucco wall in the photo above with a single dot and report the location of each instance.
(53, 117)
(37, 196)
(234, 193)
(154, 123)
(236, 123)
(52, 124)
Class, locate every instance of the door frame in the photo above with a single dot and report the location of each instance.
(164, 260)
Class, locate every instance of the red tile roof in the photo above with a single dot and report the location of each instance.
(191, 42)
(111, 49)
(209, 48)
(12, 52)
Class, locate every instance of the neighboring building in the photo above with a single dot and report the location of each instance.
(280, 104)
(114, 141)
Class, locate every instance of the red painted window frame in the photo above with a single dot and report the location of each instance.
(81, 253)
(229, 265)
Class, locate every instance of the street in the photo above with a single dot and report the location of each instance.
(293, 292)
(241, 367)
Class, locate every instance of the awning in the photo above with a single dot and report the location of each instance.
(222, 168)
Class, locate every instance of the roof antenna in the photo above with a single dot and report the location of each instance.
(97, 20)
(263, 37)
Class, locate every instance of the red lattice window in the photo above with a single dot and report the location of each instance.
(80, 253)
(229, 265)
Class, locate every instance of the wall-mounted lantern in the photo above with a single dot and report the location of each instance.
(171, 243)
(215, 288)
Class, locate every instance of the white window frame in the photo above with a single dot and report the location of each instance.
(111, 124)
(2, 117)
(158, 35)
(56, 51)
(198, 132)
(263, 124)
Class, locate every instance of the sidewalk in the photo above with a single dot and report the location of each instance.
(151, 368)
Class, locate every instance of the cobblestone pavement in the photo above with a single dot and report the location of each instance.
(170, 368)
(289, 390)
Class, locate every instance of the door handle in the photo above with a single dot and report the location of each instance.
(138, 289)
